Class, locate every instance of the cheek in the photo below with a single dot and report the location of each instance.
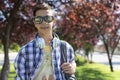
(37, 26)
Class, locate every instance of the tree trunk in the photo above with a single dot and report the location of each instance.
(109, 57)
(91, 56)
(108, 53)
(110, 63)
(6, 65)
(6, 41)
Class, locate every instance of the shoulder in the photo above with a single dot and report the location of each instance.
(27, 46)
(25, 49)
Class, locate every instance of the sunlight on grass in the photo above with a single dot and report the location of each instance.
(96, 72)
(116, 75)
(11, 73)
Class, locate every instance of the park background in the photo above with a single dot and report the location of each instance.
(83, 23)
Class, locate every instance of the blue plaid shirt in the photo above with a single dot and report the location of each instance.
(30, 57)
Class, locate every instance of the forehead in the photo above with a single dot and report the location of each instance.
(44, 13)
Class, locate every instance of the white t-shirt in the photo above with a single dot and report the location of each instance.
(45, 72)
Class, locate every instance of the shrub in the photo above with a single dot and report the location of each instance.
(14, 47)
(79, 60)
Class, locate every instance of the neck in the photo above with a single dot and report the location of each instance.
(47, 37)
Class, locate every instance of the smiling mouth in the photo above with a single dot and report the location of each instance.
(44, 27)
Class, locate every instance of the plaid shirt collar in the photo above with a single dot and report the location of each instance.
(39, 41)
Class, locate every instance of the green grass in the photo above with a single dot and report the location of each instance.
(116, 75)
(11, 72)
(94, 71)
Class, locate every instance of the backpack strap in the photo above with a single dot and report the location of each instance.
(63, 50)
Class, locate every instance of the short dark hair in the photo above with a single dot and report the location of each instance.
(42, 6)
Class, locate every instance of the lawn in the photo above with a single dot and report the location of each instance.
(11, 73)
(96, 72)
(86, 71)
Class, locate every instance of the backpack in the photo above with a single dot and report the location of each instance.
(63, 49)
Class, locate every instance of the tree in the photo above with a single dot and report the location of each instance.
(16, 24)
(88, 21)
(88, 51)
(5, 36)
(13, 28)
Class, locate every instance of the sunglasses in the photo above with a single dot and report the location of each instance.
(40, 19)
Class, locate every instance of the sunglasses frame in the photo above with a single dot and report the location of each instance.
(44, 18)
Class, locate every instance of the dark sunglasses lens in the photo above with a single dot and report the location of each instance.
(49, 19)
(38, 20)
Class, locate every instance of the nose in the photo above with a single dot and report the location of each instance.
(44, 22)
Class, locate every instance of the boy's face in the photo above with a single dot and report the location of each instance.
(44, 20)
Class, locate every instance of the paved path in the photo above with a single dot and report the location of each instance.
(102, 58)
(97, 57)
(11, 56)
